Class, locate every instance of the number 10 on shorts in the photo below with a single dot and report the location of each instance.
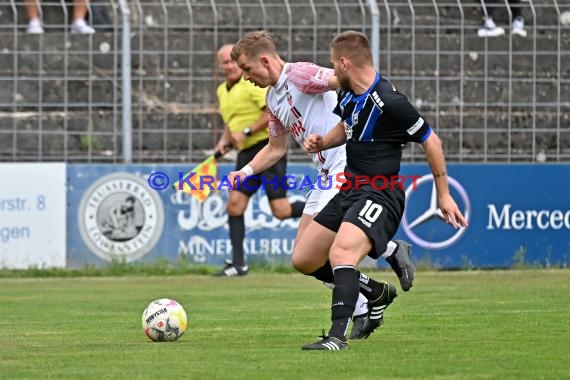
(370, 212)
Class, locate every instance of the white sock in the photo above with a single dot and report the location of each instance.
(361, 305)
(392, 246)
(328, 285)
(79, 22)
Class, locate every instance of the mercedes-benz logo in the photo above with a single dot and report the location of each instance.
(433, 211)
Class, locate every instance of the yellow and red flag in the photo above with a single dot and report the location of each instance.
(201, 180)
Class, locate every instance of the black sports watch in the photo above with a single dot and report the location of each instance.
(247, 131)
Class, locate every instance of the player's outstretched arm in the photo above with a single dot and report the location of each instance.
(316, 143)
(311, 78)
(436, 160)
(333, 83)
(270, 154)
(263, 160)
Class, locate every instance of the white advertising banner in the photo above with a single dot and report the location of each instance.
(32, 215)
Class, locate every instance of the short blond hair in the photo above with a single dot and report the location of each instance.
(253, 44)
(352, 45)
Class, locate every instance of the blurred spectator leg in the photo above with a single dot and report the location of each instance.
(518, 19)
(489, 28)
(79, 25)
(33, 15)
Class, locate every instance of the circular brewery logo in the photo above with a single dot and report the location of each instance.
(120, 217)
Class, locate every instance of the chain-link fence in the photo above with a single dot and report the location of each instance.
(505, 98)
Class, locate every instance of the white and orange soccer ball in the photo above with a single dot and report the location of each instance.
(164, 320)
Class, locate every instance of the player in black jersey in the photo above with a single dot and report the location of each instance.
(376, 122)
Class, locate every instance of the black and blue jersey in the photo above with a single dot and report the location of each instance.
(378, 123)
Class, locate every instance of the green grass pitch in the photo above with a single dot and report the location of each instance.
(451, 325)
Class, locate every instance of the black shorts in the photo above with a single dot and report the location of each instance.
(376, 212)
(268, 180)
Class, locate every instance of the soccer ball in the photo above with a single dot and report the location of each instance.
(164, 320)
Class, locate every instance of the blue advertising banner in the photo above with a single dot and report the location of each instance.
(114, 214)
(517, 213)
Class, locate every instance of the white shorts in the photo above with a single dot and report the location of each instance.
(323, 192)
(318, 198)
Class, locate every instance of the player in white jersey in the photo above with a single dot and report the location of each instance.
(298, 105)
(300, 102)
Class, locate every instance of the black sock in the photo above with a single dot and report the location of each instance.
(345, 294)
(324, 273)
(237, 234)
(369, 287)
(297, 209)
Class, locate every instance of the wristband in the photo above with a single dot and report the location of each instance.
(248, 170)
(442, 174)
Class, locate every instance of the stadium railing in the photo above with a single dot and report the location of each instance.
(65, 97)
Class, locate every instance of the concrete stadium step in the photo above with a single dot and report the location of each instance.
(148, 133)
(156, 52)
(152, 131)
(423, 91)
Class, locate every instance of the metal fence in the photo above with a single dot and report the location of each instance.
(65, 96)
